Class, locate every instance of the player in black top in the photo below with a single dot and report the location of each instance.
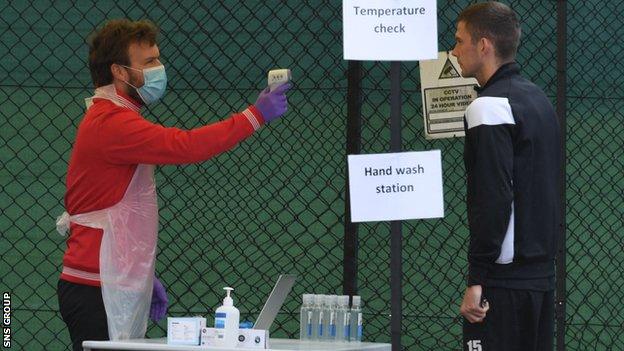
(512, 158)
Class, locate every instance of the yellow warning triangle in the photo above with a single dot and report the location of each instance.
(449, 70)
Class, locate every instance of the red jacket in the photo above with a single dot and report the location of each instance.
(111, 141)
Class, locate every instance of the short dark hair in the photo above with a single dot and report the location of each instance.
(110, 45)
(495, 21)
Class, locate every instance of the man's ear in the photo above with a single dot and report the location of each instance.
(486, 47)
(118, 72)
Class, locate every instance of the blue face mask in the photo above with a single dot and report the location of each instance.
(154, 84)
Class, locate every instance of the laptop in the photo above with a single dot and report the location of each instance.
(275, 301)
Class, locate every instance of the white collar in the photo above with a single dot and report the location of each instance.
(109, 92)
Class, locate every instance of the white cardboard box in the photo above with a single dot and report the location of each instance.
(184, 330)
(247, 338)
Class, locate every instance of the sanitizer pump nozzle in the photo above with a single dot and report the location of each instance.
(227, 301)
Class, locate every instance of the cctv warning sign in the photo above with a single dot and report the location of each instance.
(445, 96)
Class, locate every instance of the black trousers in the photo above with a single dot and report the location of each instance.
(83, 312)
(521, 320)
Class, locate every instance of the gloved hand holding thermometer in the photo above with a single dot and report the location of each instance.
(272, 101)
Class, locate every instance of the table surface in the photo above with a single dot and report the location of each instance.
(275, 344)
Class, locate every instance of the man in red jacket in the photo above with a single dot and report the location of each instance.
(107, 286)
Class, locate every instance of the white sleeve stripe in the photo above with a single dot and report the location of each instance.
(489, 111)
(252, 119)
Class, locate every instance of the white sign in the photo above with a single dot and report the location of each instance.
(390, 30)
(396, 186)
(445, 96)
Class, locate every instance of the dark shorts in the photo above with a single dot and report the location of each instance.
(83, 312)
(520, 320)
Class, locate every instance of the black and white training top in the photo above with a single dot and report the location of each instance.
(512, 157)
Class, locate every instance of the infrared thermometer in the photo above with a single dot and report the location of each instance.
(278, 77)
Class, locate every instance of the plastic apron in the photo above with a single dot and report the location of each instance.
(127, 253)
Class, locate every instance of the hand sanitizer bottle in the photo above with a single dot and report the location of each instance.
(305, 322)
(342, 319)
(331, 317)
(317, 317)
(356, 319)
(226, 322)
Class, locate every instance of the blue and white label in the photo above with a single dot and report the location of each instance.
(332, 324)
(220, 320)
(359, 328)
(309, 324)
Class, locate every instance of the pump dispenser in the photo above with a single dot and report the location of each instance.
(226, 321)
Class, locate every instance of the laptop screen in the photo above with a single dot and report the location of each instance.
(275, 301)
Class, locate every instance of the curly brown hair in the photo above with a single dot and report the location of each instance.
(110, 44)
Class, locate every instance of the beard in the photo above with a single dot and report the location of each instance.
(132, 92)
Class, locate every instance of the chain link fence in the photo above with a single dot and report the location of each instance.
(595, 176)
(276, 202)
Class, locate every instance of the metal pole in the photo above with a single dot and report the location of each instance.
(560, 300)
(396, 271)
(350, 249)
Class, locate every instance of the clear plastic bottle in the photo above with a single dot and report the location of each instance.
(342, 319)
(317, 317)
(356, 319)
(330, 318)
(305, 321)
(324, 318)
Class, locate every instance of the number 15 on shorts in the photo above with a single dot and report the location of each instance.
(474, 345)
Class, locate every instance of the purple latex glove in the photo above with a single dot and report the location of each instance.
(159, 301)
(273, 104)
